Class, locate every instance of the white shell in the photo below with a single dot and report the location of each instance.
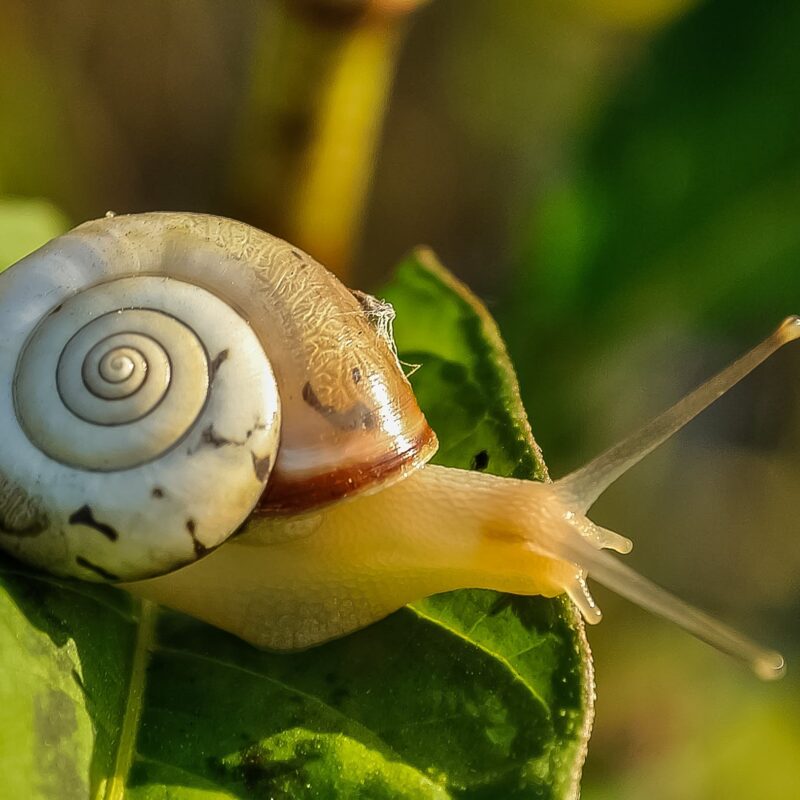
(139, 416)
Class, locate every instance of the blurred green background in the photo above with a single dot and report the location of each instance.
(620, 182)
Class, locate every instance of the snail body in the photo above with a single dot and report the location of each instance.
(169, 380)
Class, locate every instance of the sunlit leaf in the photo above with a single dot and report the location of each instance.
(470, 694)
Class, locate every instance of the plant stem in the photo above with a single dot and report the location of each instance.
(320, 83)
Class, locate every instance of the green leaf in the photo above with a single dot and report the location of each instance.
(470, 695)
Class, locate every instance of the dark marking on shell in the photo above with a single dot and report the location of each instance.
(84, 516)
(103, 573)
(258, 426)
(20, 514)
(357, 417)
(157, 492)
(480, 461)
(298, 255)
(356, 373)
(199, 548)
(261, 465)
(218, 361)
(211, 438)
(56, 309)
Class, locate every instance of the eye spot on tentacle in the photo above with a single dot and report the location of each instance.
(84, 516)
(103, 573)
(157, 492)
(480, 461)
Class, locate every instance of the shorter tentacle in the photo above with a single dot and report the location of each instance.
(601, 538)
(578, 592)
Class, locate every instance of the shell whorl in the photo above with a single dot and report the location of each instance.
(141, 426)
(81, 385)
(149, 366)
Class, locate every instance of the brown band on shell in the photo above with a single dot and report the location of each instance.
(283, 496)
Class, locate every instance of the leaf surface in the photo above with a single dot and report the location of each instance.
(471, 694)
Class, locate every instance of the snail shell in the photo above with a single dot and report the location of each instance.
(164, 376)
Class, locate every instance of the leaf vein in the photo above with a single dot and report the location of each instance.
(287, 687)
(515, 675)
(114, 788)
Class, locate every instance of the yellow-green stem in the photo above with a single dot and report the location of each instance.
(310, 128)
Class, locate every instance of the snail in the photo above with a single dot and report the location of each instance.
(203, 414)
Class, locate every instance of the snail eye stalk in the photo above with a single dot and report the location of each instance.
(580, 489)
(586, 484)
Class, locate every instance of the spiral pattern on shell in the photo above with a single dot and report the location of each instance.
(123, 366)
(151, 364)
(150, 416)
